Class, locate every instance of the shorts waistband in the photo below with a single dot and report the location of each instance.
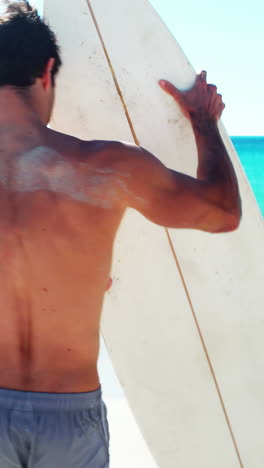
(29, 401)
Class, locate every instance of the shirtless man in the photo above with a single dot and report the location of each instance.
(61, 202)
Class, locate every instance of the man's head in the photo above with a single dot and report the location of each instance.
(29, 56)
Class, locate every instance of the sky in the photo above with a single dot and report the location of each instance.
(226, 38)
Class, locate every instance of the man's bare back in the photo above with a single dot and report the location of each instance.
(59, 216)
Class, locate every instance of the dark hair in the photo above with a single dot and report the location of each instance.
(26, 45)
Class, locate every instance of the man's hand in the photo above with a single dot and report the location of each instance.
(200, 102)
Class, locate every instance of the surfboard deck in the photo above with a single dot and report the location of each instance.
(183, 321)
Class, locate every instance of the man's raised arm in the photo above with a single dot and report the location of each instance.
(204, 107)
(210, 203)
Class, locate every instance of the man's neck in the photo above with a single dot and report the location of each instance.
(17, 109)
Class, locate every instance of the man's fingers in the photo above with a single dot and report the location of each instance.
(170, 88)
(220, 101)
(203, 75)
(212, 88)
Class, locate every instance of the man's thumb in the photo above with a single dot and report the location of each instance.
(170, 89)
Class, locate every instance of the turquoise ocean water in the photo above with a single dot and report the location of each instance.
(251, 154)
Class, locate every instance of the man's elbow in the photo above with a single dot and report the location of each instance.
(233, 223)
(234, 216)
(231, 216)
(230, 223)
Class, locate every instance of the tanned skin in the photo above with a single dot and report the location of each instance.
(61, 203)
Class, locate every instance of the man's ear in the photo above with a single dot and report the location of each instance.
(46, 79)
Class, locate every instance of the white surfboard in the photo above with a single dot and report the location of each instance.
(183, 323)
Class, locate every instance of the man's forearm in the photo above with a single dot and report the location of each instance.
(214, 165)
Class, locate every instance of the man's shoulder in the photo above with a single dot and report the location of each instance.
(88, 147)
(107, 152)
(101, 151)
(79, 146)
(108, 147)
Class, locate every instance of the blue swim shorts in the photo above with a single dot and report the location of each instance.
(53, 430)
